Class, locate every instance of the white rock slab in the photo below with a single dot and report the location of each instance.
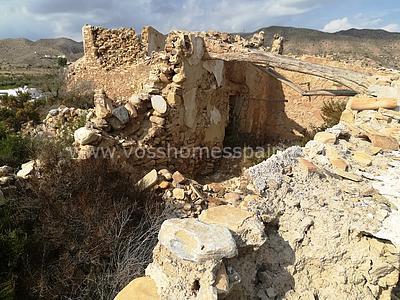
(192, 240)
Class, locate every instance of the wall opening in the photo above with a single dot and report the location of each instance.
(233, 135)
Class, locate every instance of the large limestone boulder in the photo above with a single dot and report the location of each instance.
(246, 228)
(192, 240)
(85, 136)
(139, 289)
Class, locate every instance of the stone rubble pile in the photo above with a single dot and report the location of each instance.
(342, 191)
(308, 222)
(57, 122)
(187, 197)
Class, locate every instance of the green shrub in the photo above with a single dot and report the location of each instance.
(14, 149)
(17, 110)
(17, 215)
(61, 61)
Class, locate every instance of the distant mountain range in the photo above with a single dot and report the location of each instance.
(377, 47)
(24, 52)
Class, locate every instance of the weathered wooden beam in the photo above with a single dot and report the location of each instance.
(322, 92)
(282, 79)
(357, 82)
(333, 93)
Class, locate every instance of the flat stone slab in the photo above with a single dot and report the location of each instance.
(325, 137)
(192, 240)
(247, 229)
(139, 289)
(226, 215)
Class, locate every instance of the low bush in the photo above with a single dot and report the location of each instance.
(17, 110)
(14, 149)
(80, 95)
(93, 232)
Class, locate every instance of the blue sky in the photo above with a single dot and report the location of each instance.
(36, 19)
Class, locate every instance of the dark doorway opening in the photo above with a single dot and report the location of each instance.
(233, 136)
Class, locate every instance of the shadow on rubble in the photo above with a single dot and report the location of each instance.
(396, 292)
(273, 260)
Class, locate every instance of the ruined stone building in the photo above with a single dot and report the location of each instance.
(175, 93)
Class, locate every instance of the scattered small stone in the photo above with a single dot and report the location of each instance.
(159, 104)
(6, 170)
(148, 181)
(178, 78)
(178, 177)
(166, 174)
(178, 193)
(362, 158)
(122, 114)
(164, 185)
(26, 169)
(307, 166)
(325, 137)
(232, 198)
(157, 120)
(222, 279)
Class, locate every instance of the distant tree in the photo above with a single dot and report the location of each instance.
(61, 61)
(54, 84)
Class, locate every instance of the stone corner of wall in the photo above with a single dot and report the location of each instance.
(203, 258)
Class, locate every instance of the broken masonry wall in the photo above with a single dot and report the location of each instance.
(303, 110)
(152, 40)
(111, 48)
(116, 60)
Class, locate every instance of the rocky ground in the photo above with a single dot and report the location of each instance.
(329, 209)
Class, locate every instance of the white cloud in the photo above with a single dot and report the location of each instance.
(392, 27)
(337, 25)
(50, 18)
(359, 21)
